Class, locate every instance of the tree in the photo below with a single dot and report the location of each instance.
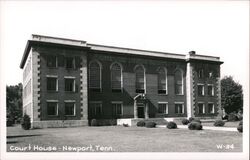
(14, 102)
(231, 95)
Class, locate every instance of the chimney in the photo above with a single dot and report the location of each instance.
(191, 52)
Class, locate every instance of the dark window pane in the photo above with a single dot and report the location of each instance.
(51, 84)
(178, 82)
(140, 84)
(69, 85)
(70, 108)
(52, 108)
(51, 61)
(69, 62)
(95, 76)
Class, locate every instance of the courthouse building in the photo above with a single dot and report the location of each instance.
(69, 82)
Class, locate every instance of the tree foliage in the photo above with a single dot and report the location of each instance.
(14, 102)
(231, 95)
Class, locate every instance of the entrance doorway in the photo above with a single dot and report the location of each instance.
(141, 113)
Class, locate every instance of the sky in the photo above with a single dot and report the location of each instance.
(216, 28)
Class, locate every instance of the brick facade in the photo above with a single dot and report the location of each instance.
(41, 47)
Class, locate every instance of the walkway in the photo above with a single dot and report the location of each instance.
(204, 127)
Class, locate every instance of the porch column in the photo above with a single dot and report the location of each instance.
(146, 110)
(135, 109)
(189, 90)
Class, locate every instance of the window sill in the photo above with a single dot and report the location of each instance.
(69, 91)
(161, 94)
(179, 94)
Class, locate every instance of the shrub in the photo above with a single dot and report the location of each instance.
(232, 117)
(240, 128)
(94, 122)
(140, 124)
(26, 124)
(195, 126)
(240, 117)
(125, 125)
(185, 121)
(219, 123)
(150, 124)
(190, 119)
(171, 125)
(196, 120)
(241, 123)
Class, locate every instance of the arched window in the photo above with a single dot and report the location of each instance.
(178, 78)
(95, 76)
(116, 77)
(139, 79)
(162, 81)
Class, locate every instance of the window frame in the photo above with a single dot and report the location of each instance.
(111, 75)
(182, 82)
(52, 76)
(203, 89)
(210, 85)
(56, 63)
(74, 83)
(183, 110)
(144, 79)
(96, 102)
(73, 62)
(70, 101)
(166, 81)
(203, 108)
(115, 103)
(166, 109)
(100, 66)
(213, 109)
(52, 101)
(200, 73)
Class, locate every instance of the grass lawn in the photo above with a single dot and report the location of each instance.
(125, 139)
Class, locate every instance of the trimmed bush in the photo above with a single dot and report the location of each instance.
(240, 117)
(185, 121)
(150, 124)
(196, 120)
(140, 124)
(195, 126)
(232, 117)
(94, 122)
(26, 124)
(219, 123)
(241, 122)
(190, 119)
(171, 125)
(125, 125)
(240, 128)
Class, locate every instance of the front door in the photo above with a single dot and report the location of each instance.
(141, 112)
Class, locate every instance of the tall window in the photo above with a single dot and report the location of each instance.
(179, 108)
(95, 76)
(117, 108)
(52, 108)
(200, 73)
(69, 84)
(210, 90)
(52, 84)
(210, 108)
(201, 90)
(116, 77)
(162, 81)
(140, 79)
(178, 82)
(201, 108)
(51, 61)
(69, 108)
(163, 108)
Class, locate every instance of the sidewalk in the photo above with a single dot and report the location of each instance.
(204, 128)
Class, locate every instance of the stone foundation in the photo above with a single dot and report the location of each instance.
(59, 124)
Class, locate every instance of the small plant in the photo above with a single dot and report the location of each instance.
(125, 125)
(232, 117)
(240, 128)
(185, 121)
(171, 125)
(219, 123)
(196, 120)
(150, 124)
(140, 124)
(190, 119)
(195, 126)
(26, 124)
(94, 122)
